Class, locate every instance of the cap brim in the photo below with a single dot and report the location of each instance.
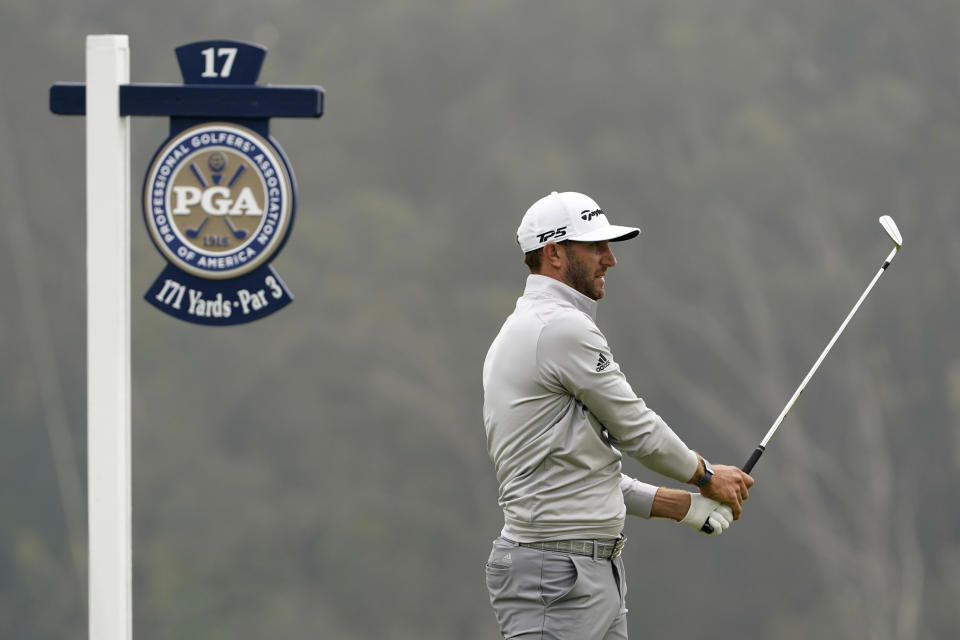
(612, 233)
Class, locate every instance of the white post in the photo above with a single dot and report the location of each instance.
(108, 340)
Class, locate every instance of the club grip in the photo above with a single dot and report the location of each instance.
(753, 458)
(706, 528)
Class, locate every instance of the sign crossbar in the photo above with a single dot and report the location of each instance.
(199, 101)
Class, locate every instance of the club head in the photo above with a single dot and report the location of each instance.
(891, 228)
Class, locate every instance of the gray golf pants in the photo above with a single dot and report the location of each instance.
(547, 595)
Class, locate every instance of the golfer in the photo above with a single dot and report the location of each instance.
(558, 414)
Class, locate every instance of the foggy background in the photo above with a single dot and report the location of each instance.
(322, 473)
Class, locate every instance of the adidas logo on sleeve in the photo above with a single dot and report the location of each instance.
(603, 362)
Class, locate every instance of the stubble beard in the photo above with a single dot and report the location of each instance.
(578, 277)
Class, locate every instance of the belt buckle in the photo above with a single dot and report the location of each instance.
(618, 546)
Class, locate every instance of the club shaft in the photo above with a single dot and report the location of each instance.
(755, 456)
(816, 365)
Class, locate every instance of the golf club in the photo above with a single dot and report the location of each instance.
(891, 228)
(239, 234)
(193, 233)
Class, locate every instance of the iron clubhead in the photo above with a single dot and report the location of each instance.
(891, 228)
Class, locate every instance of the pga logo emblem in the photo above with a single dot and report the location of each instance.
(218, 201)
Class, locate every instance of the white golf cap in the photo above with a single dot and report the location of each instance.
(568, 216)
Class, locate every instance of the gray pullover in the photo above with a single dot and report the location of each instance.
(558, 412)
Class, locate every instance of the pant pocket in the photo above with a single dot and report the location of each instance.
(496, 578)
(558, 578)
(621, 580)
(498, 567)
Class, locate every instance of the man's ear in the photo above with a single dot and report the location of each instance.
(553, 254)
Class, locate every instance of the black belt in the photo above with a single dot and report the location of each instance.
(598, 549)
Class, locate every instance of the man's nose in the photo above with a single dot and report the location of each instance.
(608, 258)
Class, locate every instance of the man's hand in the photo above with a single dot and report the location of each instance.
(730, 486)
(704, 510)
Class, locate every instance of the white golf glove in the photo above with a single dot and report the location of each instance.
(702, 510)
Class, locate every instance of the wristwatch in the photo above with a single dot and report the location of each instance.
(707, 473)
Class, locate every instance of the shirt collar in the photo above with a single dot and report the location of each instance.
(545, 286)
